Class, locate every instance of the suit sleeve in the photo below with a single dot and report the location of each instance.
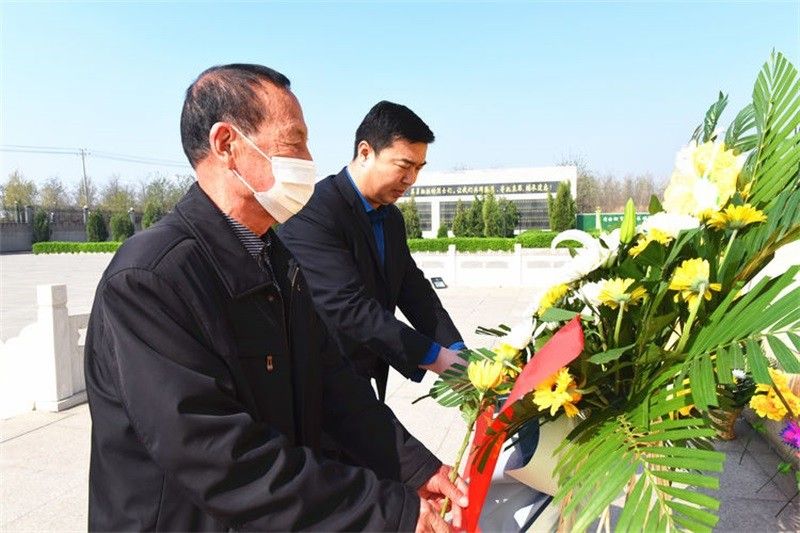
(340, 296)
(419, 302)
(181, 403)
(366, 428)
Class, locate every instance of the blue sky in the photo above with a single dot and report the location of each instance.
(501, 84)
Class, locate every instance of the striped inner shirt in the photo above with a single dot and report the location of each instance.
(251, 242)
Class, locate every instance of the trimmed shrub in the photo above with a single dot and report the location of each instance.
(96, 230)
(121, 227)
(441, 233)
(41, 226)
(57, 247)
(463, 244)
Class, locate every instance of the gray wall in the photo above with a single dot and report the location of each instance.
(15, 237)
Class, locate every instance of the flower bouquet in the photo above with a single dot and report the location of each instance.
(637, 342)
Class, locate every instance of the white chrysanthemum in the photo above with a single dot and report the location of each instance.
(670, 224)
(520, 335)
(589, 293)
(590, 257)
(739, 374)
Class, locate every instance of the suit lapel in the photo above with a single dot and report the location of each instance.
(360, 216)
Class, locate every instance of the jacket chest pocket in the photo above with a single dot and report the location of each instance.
(262, 351)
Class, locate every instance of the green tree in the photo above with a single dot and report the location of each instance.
(85, 193)
(475, 218)
(41, 226)
(18, 191)
(121, 227)
(96, 230)
(460, 222)
(153, 212)
(509, 217)
(441, 233)
(53, 195)
(490, 212)
(561, 208)
(587, 186)
(411, 218)
(117, 197)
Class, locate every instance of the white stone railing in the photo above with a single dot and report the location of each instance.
(522, 267)
(42, 368)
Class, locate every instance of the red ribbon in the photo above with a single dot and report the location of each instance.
(563, 348)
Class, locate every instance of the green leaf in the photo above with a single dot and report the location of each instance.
(757, 362)
(701, 379)
(788, 360)
(610, 355)
(556, 314)
(704, 517)
(687, 478)
(696, 498)
(704, 132)
(655, 205)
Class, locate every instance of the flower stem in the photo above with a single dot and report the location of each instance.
(460, 455)
(687, 328)
(727, 249)
(619, 323)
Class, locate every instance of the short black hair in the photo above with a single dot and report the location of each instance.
(224, 93)
(386, 122)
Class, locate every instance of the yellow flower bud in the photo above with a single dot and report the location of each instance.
(485, 374)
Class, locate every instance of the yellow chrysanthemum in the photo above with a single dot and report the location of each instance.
(485, 375)
(654, 234)
(615, 293)
(765, 407)
(552, 297)
(505, 352)
(768, 404)
(736, 216)
(691, 280)
(559, 390)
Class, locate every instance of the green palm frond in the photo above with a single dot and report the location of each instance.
(705, 131)
(660, 462)
(767, 313)
(776, 102)
(738, 137)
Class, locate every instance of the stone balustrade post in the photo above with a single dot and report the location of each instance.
(52, 355)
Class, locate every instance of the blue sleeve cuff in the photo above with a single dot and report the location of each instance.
(433, 353)
(458, 346)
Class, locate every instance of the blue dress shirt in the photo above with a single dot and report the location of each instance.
(376, 217)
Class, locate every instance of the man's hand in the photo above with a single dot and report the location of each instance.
(439, 487)
(444, 360)
(429, 519)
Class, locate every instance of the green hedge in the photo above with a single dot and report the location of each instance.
(528, 239)
(463, 244)
(75, 247)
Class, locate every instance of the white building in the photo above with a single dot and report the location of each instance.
(437, 193)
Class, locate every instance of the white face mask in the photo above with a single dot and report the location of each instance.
(294, 184)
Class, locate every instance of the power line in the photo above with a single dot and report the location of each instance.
(112, 156)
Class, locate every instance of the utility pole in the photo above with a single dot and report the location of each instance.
(84, 153)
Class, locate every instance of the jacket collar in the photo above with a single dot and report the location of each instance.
(348, 192)
(238, 270)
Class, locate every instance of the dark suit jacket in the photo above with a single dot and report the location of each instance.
(355, 294)
(210, 383)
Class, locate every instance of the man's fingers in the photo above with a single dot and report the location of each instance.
(462, 485)
(437, 524)
(457, 515)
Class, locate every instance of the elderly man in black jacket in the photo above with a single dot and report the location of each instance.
(209, 376)
(350, 240)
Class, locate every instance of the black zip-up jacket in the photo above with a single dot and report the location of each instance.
(210, 382)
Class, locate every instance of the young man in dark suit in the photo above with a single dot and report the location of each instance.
(350, 241)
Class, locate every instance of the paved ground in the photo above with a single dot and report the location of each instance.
(44, 456)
